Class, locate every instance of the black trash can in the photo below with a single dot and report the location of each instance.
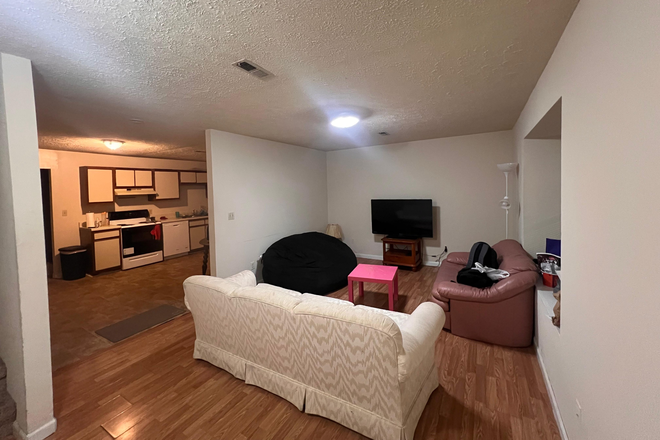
(74, 262)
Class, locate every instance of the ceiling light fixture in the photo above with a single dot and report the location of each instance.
(113, 144)
(344, 121)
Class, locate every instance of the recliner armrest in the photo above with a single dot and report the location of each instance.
(458, 258)
(419, 334)
(500, 291)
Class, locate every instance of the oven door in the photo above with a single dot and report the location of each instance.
(141, 239)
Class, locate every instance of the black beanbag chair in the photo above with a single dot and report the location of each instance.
(309, 263)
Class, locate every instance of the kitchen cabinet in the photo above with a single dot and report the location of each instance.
(133, 178)
(175, 238)
(167, 184)
(188, 177)
(99, 185)
(198, 231)
(103, 248)
(144, 179)
(124, 178)
(201, 177)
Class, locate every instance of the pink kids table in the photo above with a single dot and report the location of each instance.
(375, 274)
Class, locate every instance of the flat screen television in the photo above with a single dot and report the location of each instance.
(405, 218)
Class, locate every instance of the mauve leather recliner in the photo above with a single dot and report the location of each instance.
(502, 314)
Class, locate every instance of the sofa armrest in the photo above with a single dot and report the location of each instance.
(500, 291)
(458, 258)
(245, 278)
(419, 334)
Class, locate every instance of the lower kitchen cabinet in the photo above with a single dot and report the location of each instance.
(175, 238)
(103, 249)
(198, 231)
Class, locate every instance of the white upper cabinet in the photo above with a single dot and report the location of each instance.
(167, 184)
(201, 177)
(133, 179)
(99, 186)
(124, 178)
(144, 178)
(188, 177)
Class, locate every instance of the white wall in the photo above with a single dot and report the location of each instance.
(606, 69)
(24, 321)
(540, 181)
(460, 174)
(273, 189)
(66, 195)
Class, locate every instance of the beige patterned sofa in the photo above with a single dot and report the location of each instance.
(371, 370)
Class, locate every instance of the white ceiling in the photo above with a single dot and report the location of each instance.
(416, 69)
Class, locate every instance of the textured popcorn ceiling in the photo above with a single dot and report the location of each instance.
(416, 69)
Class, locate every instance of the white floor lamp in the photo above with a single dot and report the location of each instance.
(504, 203)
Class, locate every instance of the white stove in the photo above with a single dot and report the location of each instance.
(141, 238)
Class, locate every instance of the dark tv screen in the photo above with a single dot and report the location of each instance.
(412, 218)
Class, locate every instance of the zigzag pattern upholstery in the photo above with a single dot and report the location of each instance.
(368, 369)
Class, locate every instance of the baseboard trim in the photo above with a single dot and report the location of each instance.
(380, 258)
(370, 256)
(551, 394)
(38, 434)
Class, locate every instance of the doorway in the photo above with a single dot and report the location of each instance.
(47, 205)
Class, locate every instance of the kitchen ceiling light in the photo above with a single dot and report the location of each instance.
(344, 121)
(113, 145)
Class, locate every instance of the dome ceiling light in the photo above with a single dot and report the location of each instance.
(113, 144)
(344, 121)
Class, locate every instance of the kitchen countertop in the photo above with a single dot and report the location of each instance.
(102, 228)
(170, 220)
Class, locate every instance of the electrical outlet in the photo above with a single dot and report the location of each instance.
(64, 213)
(231, 216)
(578, 409)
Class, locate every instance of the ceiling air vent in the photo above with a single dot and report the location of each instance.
(253, 69)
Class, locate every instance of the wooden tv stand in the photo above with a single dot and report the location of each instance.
(405, 252)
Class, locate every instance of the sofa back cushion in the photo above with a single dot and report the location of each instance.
(278, 289)
(351, 353)
(266, 318)
(513, 258)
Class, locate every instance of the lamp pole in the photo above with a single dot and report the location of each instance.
(506, 168)
(504, 203)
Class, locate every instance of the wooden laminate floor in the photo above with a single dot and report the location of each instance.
(150, 387)
(79, 308)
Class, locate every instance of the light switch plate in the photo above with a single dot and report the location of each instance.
(231, 216)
